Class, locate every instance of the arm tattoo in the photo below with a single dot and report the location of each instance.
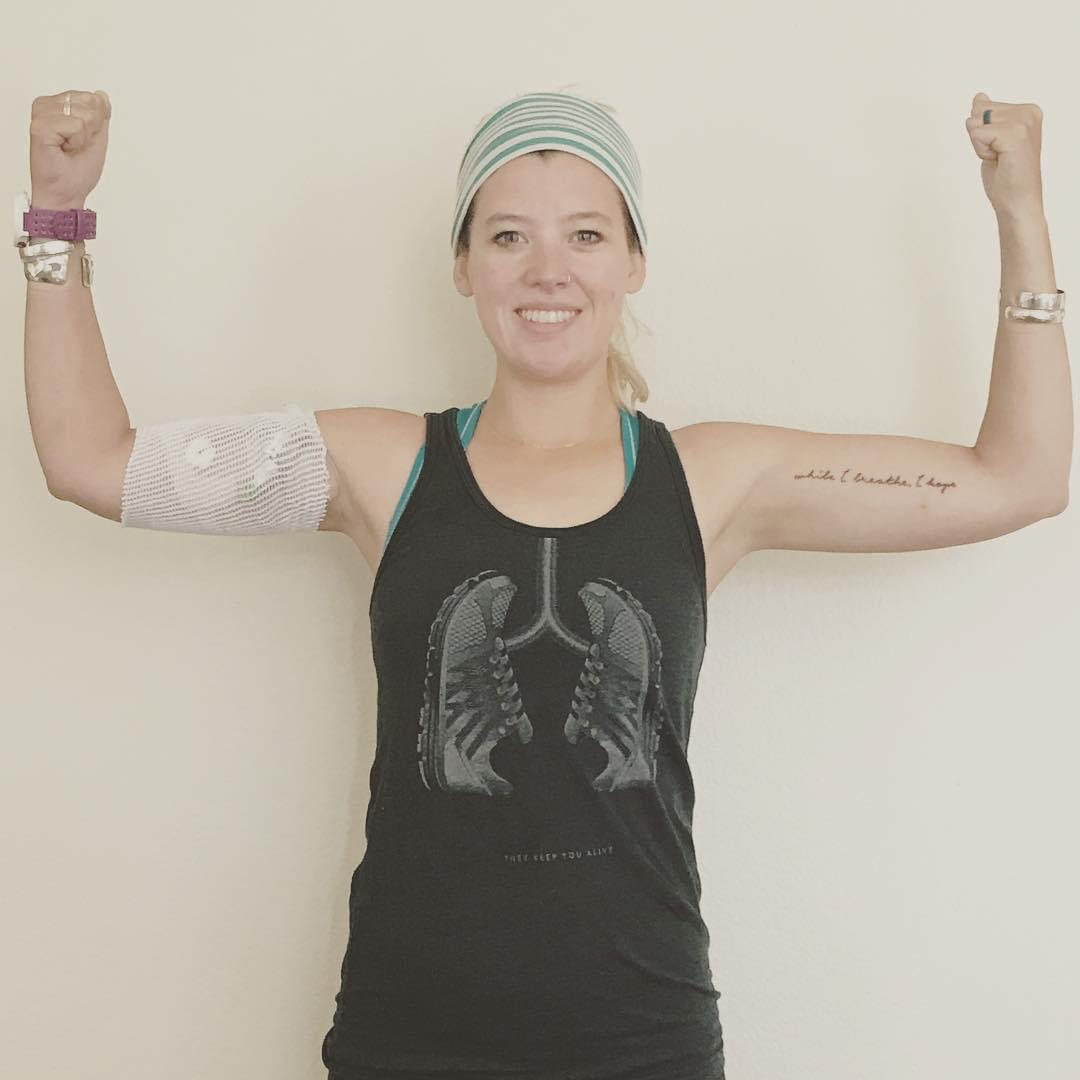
(892, 480)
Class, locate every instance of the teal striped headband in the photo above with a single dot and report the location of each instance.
(550, 121)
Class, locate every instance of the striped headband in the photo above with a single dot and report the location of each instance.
(550, 121)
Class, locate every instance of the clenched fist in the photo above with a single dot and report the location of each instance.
(67, 153)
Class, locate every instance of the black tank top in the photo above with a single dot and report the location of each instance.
(528, 903)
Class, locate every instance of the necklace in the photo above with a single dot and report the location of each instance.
(535, 446)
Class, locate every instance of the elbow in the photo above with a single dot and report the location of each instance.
(1053, 507)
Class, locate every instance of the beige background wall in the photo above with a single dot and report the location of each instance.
(885, 746)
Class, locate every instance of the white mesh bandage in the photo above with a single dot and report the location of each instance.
(258, 473)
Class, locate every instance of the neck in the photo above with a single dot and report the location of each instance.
(557, 421)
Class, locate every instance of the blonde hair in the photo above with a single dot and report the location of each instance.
(625, 380)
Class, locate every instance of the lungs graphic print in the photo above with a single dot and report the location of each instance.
(471, 696)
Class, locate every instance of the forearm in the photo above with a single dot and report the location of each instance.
(75, 407)
(1027, 431)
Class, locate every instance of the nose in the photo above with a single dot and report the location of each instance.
(548, 268)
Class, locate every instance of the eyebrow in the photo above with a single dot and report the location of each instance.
(569, 217)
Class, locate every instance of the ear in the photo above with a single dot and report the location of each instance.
(461, 275)
(636, 276)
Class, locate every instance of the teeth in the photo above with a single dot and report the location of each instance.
(547, 316)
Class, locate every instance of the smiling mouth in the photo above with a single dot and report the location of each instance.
(550, 323)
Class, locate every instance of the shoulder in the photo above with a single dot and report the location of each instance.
(721, 438)
(722, 460)
(736, 448)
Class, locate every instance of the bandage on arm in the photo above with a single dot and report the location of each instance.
(247, 474)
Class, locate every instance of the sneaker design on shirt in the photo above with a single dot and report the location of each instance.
(472, 699)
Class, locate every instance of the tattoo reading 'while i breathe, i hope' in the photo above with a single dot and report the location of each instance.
(892, 480)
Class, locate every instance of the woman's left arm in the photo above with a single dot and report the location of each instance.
(776, 487)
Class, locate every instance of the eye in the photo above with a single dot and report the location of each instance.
(513, 232)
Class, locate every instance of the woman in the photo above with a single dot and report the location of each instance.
(529, 900)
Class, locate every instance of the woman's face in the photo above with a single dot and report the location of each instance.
(524, 264)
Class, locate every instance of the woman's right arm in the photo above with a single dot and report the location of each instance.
(79, 423)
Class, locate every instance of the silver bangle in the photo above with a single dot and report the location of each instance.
(47, 262)
(1043, 307)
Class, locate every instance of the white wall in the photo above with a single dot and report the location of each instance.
(884, 746)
